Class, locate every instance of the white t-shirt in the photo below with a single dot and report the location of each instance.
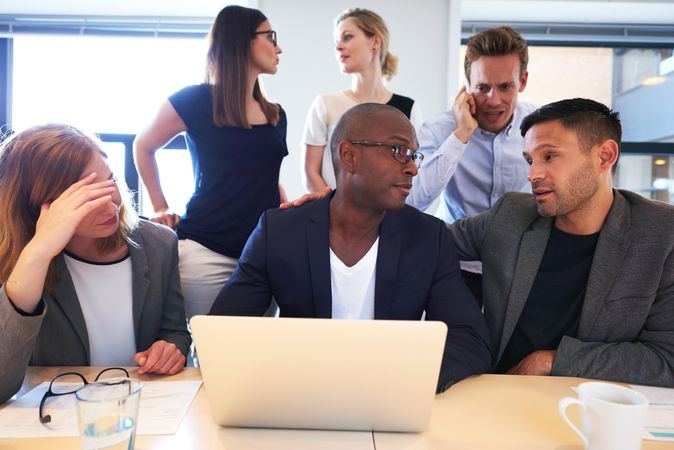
(353, 287)
(322, 118)
(105, 294)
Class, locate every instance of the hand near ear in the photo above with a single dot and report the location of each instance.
(463, 111)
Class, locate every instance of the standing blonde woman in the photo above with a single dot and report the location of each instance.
(361, 45)
(84, 282)
(237, 140)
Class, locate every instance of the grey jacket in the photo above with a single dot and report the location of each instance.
(626, 328)
(58, 335)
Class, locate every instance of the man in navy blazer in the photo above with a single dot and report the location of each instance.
(360, 253)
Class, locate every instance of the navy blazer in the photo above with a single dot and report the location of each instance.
(288, 256)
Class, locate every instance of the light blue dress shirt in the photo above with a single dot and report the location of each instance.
(470, 176)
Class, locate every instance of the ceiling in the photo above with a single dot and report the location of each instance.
(605, 11)
(596, 11)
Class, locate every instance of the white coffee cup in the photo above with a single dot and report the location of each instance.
(613, 416)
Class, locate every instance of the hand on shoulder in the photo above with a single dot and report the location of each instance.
(306, 198)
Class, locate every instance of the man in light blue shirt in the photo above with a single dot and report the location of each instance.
(473, 153)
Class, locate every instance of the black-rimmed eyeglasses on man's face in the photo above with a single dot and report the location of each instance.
(70, 382)
(271, 35)
(400, 153)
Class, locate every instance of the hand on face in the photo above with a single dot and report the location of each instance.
(464, 110)
(495, 82)
(536, 363)
(59, 219)
(162, 358)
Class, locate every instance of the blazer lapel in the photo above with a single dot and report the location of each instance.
(529, 258)
(66, 297)
(140, 279)
(388, 254)
(611, 249)
(318, 248)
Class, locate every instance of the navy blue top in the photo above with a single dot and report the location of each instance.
(236, 172)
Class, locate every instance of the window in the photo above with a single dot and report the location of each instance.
(100, 84)
(116, 157)
(173, 166)
(107, 85)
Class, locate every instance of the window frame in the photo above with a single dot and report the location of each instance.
(130, 171)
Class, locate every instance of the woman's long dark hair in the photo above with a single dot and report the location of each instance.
(227, 66)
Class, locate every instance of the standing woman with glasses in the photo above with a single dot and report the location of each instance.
(84, 282)
(237, 140)
(361, 45)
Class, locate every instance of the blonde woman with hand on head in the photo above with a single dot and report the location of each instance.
(84, 281)
(361, 46)
(237, 140)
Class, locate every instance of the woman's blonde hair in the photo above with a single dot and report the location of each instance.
(372, 24)
(36, 166)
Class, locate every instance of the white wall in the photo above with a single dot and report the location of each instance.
(419, 36)
(308, 66)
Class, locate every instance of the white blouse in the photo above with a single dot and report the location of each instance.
(105, 295)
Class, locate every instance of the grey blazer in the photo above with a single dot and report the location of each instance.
(626, 328)
(58, 335)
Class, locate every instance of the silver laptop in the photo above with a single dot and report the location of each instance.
(319, 373)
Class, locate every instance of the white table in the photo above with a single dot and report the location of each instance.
(490, 412)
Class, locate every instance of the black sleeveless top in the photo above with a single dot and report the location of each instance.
(404, 104)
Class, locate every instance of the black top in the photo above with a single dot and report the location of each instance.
(236, 172)
(402, 103)
(556, 298)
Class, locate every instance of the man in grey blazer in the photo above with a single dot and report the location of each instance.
(578, 277)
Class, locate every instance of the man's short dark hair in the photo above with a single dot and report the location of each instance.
(354, 125)
(592, 121)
